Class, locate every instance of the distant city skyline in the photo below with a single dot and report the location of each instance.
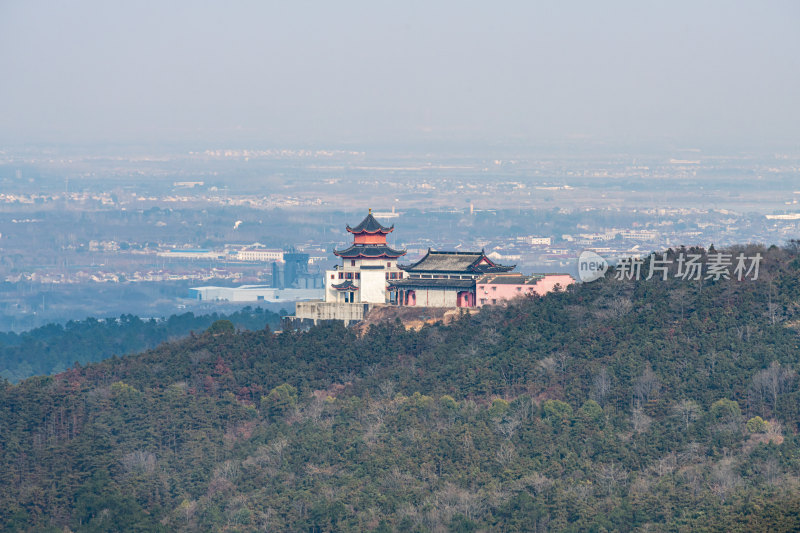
(312, 73)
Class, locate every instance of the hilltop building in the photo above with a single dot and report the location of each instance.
(443, 279)
(366, 266)
(369, 275)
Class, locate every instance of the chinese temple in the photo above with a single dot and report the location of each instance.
(444, 279)
(369, 275)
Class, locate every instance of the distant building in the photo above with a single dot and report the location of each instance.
(293, 272)
(387, 214)
(536, 241)
(639, 235)
(790, 216)
(186, 253)
(253, 293)
(259, 254)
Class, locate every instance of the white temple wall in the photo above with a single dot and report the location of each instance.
(436, 298)
(330, 279)
(373, 286)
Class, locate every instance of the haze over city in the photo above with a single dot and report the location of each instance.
(433, 75)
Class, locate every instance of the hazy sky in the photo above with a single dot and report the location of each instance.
(297, 72)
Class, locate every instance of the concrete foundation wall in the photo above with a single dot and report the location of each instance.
(319, 310)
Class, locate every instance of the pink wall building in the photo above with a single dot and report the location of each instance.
(492, 289)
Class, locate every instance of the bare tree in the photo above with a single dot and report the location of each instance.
(524, 407)
(687, 411)
(692, 453)
(228, 470)
(508, 426)
(601, 386)
(666, 465)
(647, 386)
(723, 479)
(387, 389)
(506, 453)
(620, 306)
(610, 475)
(470, 504)
(770, 384)
(640, 420)
(139, 461)
(535, 482)
(771, 471)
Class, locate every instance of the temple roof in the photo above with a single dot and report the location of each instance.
(368, 251)
(347, 285)
(464, 262)
(431, 283)
(370, 225)
(512, 278)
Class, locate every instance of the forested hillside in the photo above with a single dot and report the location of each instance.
(54, 348)
(614, 406)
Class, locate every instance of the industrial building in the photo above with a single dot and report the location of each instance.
(254, 293)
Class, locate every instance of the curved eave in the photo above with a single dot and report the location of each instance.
(346, 286)
(382, 231)
(370, 225)
(359, 253)
(360, 256)
(437, 283)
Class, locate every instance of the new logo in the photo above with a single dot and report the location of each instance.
(591, 266)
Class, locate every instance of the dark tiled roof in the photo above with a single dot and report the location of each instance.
(370, 225)
(346, 285)
(496, 269)
(514, 278)
(435, 283)
(369, 251)
(509, 279)
(467, 262)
